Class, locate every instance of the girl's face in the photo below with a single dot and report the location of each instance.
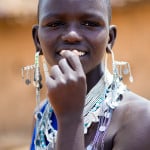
(81, 26)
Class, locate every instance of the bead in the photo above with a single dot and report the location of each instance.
(125, 71)
(102, 128)
(120, 78)
(131, 79)
(37, 143)
(27, 81)
(120, 97)
(86, 124)
(107, 115)
(113, 86)
(89, 147)
(38, 115)
(49, 130)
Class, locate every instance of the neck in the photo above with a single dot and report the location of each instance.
(93, 77)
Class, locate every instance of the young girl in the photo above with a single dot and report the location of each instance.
(86, 106)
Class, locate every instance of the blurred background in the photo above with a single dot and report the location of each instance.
(17, 101)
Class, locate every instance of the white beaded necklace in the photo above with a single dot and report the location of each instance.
(97, 102)
(97, 92)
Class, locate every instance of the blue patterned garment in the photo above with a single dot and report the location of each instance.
(54, 124)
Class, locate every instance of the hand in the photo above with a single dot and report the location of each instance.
(67, 87)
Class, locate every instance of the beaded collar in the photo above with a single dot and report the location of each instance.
(100, 102)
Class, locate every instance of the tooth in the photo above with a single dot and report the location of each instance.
(77, 52)
(62, 51)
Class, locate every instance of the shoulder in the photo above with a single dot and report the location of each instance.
(136, 112)
(134, 105)
(134, 108)
(134, 125)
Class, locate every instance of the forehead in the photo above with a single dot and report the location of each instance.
(73, 7)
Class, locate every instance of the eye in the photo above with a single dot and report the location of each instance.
(55, 24)
(91, 23)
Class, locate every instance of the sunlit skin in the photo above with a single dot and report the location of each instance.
(74, 36)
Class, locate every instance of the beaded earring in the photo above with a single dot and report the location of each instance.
(31, 74)
(119, 68)
(27, 76)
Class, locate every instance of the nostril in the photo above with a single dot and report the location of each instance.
(72, 37)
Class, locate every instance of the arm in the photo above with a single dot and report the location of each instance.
(70, 135)
(134, 133)
(66, 91)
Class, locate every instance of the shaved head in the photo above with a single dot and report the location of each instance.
(106, 3)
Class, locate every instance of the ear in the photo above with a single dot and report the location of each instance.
(36, 39)
(112, 38)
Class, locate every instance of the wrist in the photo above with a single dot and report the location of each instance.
(70, 131)
(70, 120)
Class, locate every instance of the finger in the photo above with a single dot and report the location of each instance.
(56, 73)
(65, 66)
(73, 61)
(50, 83)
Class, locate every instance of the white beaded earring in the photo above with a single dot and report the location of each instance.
(119, 68)
(31, 74)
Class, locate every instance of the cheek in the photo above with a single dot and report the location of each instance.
(101, 39)
(47, 45)
(100, 43)
(45, 40)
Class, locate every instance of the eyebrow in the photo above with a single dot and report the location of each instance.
(51, 15)
(98, 16)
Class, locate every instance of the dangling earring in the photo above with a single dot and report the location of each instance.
(119, 68)
(37, 78)
(31, 74)
(27, 75)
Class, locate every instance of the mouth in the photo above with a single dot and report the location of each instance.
(75, 51)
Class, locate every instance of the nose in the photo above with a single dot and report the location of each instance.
(72, 36)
